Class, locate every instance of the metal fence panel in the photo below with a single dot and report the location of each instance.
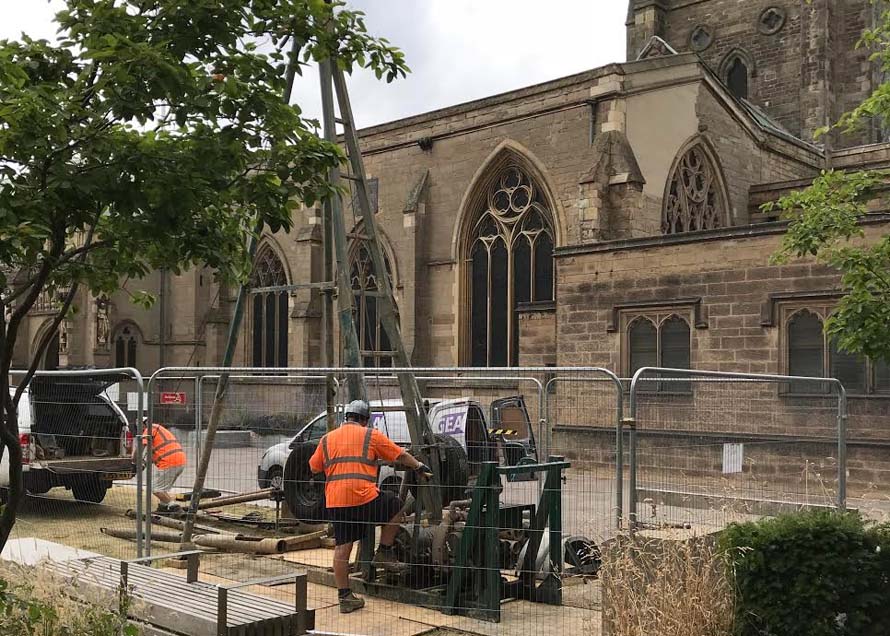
(572, 413)
(710, 448)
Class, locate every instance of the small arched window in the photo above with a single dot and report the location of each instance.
(375, 345)
(510, 263)
(643, 337)
(269, 311)
(126, 347)
(737, 77)
(694, 199)
(666, 344)
(806, 350)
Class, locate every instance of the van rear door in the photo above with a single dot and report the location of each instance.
(511, 426)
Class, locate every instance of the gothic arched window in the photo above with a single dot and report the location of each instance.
(694, 199)
(269, 309)
(510, 262)
(376, 349)
(126, 346)
(737, 78)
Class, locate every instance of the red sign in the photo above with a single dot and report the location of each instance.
(168, 397)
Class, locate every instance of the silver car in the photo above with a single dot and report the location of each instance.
(392, 423)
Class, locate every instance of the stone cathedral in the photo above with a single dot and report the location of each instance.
(610, 218)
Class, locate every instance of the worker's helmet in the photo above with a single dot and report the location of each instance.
(358, 410)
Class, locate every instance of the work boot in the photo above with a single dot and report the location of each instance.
(168, 509)
(351, 603)
(385, 558)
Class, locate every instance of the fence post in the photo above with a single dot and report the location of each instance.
(137, 442)
(841, 448)
(631, 424)
(199, 413)
(149, 465)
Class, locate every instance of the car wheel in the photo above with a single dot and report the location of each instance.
(303, 491)
(275, 477)
(90, 490)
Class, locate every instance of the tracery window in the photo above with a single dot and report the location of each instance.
(694, 200)
(126, 344)
(511, 263)
(269, 310)
(658, 339)
(809, 352)
(376, 349)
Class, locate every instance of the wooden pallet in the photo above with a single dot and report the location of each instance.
(187, 606)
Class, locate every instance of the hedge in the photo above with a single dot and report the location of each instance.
(817, 573)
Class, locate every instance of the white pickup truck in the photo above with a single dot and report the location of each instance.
(73, 436)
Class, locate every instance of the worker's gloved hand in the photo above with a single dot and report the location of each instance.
(424, 472)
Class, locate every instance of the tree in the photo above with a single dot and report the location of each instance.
(826, 223)
(154, 134)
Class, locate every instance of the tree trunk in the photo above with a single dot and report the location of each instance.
(9, 435)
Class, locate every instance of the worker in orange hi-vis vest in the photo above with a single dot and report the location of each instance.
(349, 457)
(169, 461)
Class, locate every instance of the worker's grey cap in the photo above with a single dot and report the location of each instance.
(359, 408)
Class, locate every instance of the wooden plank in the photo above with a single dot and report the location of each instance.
(197, 597)
(160, 590)
(202, 594)
(159, 581)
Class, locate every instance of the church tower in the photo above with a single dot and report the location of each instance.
(794, 59)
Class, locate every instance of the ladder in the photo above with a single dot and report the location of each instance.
(422, 437)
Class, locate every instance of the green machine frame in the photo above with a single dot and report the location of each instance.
(475, 587)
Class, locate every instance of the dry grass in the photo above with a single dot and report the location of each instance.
(666, 588)
(37, 603)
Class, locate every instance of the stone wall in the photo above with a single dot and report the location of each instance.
(724, 278)
(805, 74)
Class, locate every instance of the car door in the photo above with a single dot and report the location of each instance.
(511, 426)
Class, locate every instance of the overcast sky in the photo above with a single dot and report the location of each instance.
(458, 50)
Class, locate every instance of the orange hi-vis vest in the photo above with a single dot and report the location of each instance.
(349, 457)
(166, 451)
(357, 466)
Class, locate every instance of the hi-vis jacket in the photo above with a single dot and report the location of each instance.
(349, 457)
(166, 451)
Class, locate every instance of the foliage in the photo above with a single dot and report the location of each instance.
(825, 221)
(817, 573)
(153, 134)
(27, 609)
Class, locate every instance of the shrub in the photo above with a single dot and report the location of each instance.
(817, 573)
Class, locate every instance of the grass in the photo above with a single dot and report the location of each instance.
(662, 587)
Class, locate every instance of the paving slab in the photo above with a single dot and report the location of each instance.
(30, 551)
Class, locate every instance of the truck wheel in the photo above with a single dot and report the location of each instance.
(90, 490)
(303, 493)
(454, 470)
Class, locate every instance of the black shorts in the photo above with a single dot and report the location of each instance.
(350, 524)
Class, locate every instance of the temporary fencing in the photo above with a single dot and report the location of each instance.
(709, 448)
(515, 480)
(538, 469)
